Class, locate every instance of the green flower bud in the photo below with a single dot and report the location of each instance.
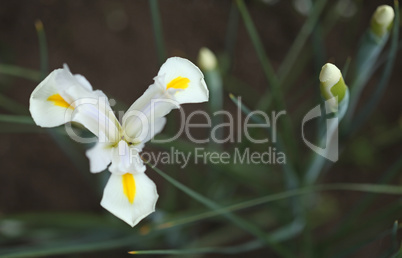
(332, 83)
(206, 59)
(382, 19)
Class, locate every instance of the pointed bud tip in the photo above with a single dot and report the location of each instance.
(384, 15)
(330, 75)
(206, 59)
(382, 19)
(38, 25)
(332, 83)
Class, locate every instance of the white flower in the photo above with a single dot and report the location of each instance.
(63, 97)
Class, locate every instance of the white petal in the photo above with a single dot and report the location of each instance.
(97, 116)
(47, 105)
(81, 79)
(176, 67)
(152, 105)
(91, 108)
(156, 128)
(99, 157)
(73, 87)
(118, 203)
(126, 159)
(54, 99)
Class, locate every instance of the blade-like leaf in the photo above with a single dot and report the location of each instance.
(158, 32)
(20, 72)
(244, 224)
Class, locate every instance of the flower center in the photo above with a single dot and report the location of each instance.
(128, 141)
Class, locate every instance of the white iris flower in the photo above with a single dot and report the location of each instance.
(63, 97)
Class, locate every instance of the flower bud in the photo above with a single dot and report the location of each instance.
(206, 59)
(382, 19)
(332, 83)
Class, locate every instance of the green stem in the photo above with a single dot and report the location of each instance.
(368, 199)
(272, 79)
(231, 35)
(16, 119)
(44, 57)
(301, 39)
(291, 176)
(21, 72)
(158, 32)
(12, 106)
(244, 224)
(367, 188)
(235, 249)
(368, 108)
(263, 58)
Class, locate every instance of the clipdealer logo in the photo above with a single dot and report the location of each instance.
(237, 128)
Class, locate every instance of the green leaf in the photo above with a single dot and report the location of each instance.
(301, 39)
(247, 226)
(12, 106)
(368, 199)
(394, 235)
(19, 128)
(231, 38)
(263, 58)
(318, 162)
(16, 119)
(80, 246)
(369, 188)
(50, 234)
(214, 81)
(44, 57)
(235, 249)
(20, 72)
(157, 29)
(273, 81)
(290, 174)
(375, 97)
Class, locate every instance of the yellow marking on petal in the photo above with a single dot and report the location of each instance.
(178, 83)
(133, 252)
(59, 101)
(129, 187)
